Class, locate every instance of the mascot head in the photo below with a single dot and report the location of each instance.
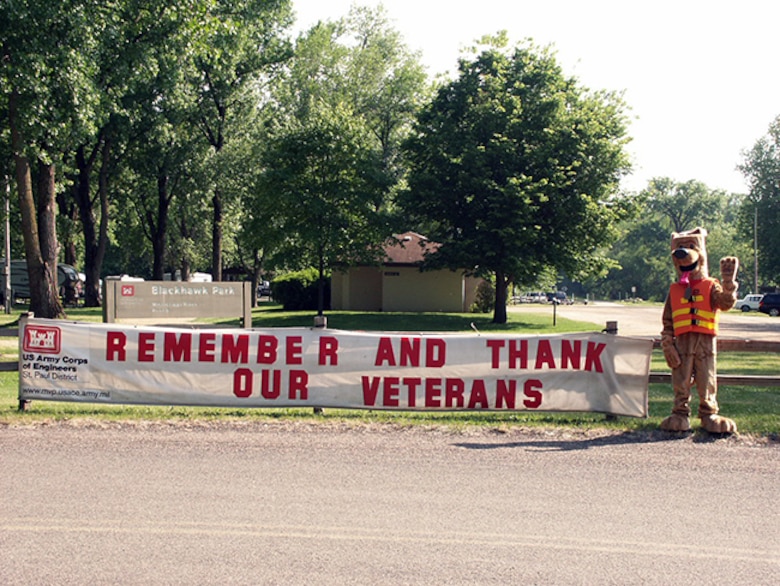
(689, 255)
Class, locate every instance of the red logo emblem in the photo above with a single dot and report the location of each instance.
(42, 339)
(128, 290)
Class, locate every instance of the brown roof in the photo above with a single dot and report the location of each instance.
(407, 249)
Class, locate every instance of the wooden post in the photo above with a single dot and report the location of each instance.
(24, 405)
(612, 328)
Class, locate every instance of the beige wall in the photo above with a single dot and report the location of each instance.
(402, 289)
(470, 294)
(359, 289)
(408, 289)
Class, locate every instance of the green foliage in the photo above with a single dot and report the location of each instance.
(761, 209)
(329, 162)
(486, 298)
(299, 290)
(512, 166)
(641, 248)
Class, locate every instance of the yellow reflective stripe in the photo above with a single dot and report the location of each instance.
(697, 312)
(700, 324)
(694, 298)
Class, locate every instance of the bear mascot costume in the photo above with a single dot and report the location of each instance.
(690, 328)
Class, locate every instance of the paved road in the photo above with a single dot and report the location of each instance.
(297, 503)
(645, 320)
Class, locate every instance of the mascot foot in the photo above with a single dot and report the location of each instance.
(676, 423)
(718, 424)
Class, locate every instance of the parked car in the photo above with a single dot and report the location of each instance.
(770, 304)
(559, 298)
(67, 277)
(748, 302)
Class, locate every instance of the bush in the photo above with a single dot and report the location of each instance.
(298, 291)
(486, 298)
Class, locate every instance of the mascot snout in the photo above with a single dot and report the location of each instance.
(682, 253)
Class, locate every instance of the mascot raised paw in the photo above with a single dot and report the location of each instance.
(690, 327)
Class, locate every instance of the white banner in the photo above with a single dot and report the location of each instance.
(302, 367)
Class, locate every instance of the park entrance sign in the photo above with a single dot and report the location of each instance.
(318, 367)
(165, 300)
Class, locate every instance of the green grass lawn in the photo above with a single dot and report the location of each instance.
(755, 409)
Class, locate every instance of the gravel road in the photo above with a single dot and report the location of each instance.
(324, 503)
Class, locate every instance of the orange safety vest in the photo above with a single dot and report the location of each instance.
(693, 313)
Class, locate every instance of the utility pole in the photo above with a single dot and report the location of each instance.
(7, 267)
(755, 248)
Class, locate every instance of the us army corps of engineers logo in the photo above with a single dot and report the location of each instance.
(42, 339)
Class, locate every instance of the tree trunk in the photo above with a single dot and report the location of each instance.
(44, 301)
(96, 262)
(44, 285)
(67, 209)
(216, 237)
(159, 232)
(499, 311)
(95, 233)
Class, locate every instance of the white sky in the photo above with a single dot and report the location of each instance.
(702, 78)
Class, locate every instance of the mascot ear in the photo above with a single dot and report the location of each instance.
(701, 231)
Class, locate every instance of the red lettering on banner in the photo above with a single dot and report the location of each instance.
(370, 389)
(299, 385)
(571, 352)
(271, 384)
(478, 395)
(433, 392)
(410, 351)
(115, 346)
(390, 391)
(268, 388)
(448, 393)
(294, 350)
(593, 357)
(384, 353)
(207, 347)
(329, 347)
(177, 349)
(514, 354)
(495, 352)
(544, 355)
(505, 394)
(533, 390)
(392, 388)
(411, 383)
(146, 347)
(235, 349)
(435, 352)
(242, 383)
(266, 349)
(518, 352)
(453, 392)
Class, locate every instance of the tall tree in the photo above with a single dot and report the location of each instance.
(323, 177)
(46, 73)
(240, 50)
(761, 210)
(331, 160)
(684, 205)
(512, 166)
